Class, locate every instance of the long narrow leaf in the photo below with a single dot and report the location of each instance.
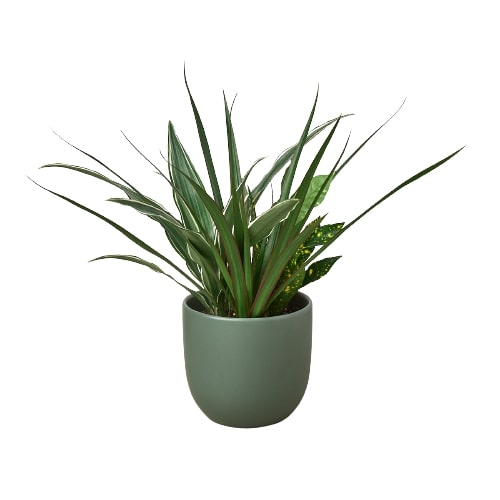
(356, 151)
(195, 248)
(132, 193)
(96, 160)
(144, 205)
(239, 221)
(293, 224)
(227, 240)
(238, 194)
(146, 209)
(388, 195)
(264, 223)
(208, 239)
(158, 171)
(276, 266)
(286, 156)
(179, 162)
(174, 231)
(275, 243)
(234, 163)
(206, 149)
(228, 211)
(138, 260)
(128, 234)
(305, 185)
(286, 184)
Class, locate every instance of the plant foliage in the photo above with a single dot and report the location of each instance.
(240, 263)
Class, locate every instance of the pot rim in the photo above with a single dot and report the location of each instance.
(305, 309)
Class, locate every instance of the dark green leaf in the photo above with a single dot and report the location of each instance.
(264, 224)
(318, 269)
(284, 298)
(98, 161)
(275, 267)
(286, 183)
(200, 295)
(133, 258)
(286, 156)
(206, 149)
(180, 163)
(323, 234)
(128, 234)
(388, 195)
(231, 250)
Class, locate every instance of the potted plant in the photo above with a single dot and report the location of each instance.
(247, 325)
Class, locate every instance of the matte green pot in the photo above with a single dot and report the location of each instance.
(247, 372)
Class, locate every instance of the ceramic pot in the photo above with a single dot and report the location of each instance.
(247, 372)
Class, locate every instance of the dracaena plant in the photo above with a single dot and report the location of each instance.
(239, 262)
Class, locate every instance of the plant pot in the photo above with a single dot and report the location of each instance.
(247, 372)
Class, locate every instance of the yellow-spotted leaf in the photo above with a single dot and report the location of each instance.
(323, 234)
(283, 299)
(318, 269)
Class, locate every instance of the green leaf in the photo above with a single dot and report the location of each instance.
(284, 298)
(275, 267)
(180, 163)
(208, 271)
(263, 225)
(132, 193)
(290, 226)
(128, 234)
(286, 156)
(144, 205)
(98, 161)
(420, 174)
(239, 220)
(315, 188)
(198, 250)
(201, 295)
(158, 171)
(234, 164)
(133, 258)
(206, 149)
(286, 183)
(174, 231)
(356, 151)
(240, 216)
(323, 234)
(147, 209)
(318, 269)
(231, 250)
(196, 238)
(240, 191)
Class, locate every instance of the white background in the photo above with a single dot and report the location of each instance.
(404, 395)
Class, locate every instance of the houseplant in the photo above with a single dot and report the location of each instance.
(247, 327)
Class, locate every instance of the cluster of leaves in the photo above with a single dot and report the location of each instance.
(240, 263)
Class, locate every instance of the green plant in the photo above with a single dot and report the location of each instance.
(240, 263)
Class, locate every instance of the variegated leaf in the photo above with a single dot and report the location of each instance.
(318, 269)
(323, 234)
